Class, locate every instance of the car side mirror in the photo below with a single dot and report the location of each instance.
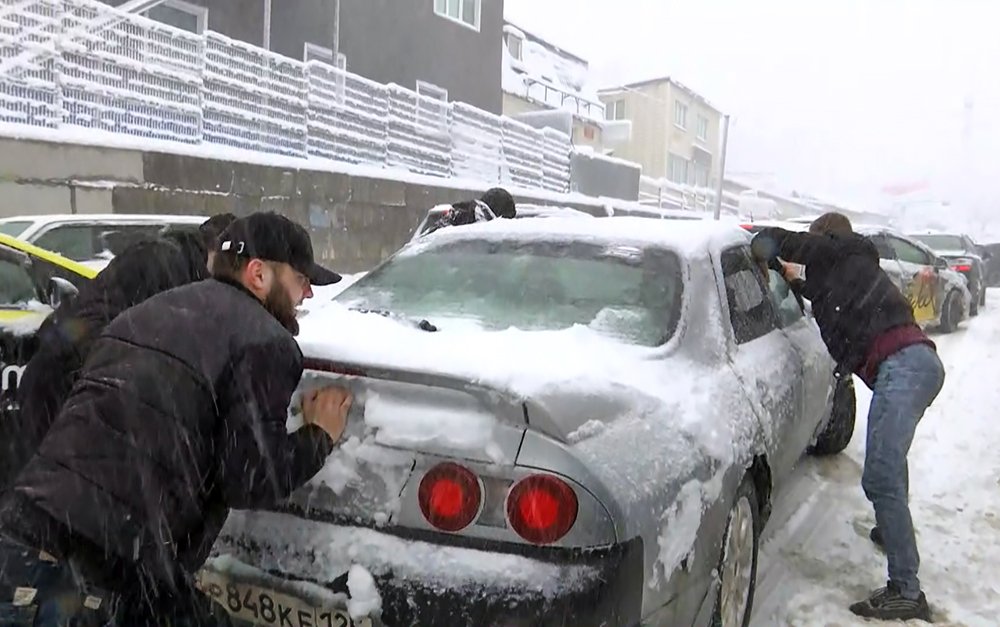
(941, 264)
(60, 290)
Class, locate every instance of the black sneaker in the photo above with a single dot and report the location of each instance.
(876, 537)
(888, 604)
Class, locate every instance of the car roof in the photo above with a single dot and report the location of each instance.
(38, 221)
(688, 237)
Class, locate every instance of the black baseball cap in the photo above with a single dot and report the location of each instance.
(273, 237)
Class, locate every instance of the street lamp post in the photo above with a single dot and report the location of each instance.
(722, 169)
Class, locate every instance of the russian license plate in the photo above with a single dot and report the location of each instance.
(261, 606)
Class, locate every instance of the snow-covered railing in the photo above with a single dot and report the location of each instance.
(254, 99)
(665, 194)
(346, 116)
(556, 147)
(419, 133)
(521, 154)
(477, 143)
(85, 64)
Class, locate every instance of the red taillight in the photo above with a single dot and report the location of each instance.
(542, 508)
(449, 496)
(747, 226)
(962, 268)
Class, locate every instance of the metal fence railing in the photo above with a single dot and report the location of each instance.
(85, 64)
(665, 194)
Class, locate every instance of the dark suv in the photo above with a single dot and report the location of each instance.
(966, 257)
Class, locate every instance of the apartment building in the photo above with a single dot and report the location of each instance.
(675, 134)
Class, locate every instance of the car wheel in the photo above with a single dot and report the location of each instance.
(738, 561)
(951, 313)
(837, 433)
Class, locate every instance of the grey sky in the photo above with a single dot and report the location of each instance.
(833, 97)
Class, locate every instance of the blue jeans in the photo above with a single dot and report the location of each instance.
(39, 592)
(908, 382)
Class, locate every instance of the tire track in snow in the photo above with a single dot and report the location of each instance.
(816, 557)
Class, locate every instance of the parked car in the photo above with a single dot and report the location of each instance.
(556, 422)
(33, 282)
(939, 295)
(965, 257)
(93, 239)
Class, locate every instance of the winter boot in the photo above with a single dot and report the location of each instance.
(888, 604)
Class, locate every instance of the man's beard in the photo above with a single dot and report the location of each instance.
(281, 307)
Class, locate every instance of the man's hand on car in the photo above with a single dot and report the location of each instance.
(327, 408)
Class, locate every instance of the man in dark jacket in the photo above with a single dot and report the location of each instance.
(143, 269)
(869, 328)
(496, 202)
(178, 415)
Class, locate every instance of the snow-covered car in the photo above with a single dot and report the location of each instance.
(93, 239)
(559, 421)
(964, 257)
(940, 296)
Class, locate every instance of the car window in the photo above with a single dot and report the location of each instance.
(14, 227)
(750, 311)
(630, 293)
(73, 241)
(885, 251)
(16, 286)
(942, 242)
(784, 300)
(909, 253)
(114, 238)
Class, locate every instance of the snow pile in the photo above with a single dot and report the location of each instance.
(365, 599)
(817, 558)
(322, 552)
(681, 524)
(547, 75)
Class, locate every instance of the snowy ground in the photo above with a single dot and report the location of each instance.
(816, 558)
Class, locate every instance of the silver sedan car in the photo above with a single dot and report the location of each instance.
(556, 422)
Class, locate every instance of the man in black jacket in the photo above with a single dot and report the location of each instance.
(143, 269)
(495, 202)
(178, 415)
(869, 328)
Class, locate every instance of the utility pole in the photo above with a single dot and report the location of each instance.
(722, 169)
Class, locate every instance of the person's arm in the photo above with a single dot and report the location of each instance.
(259, 462)
(801, 248)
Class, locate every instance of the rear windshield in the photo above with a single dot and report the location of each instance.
(942, 242)
(630, 293)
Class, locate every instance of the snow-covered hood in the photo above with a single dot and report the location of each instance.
(575, 376)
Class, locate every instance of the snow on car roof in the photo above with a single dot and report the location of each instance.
(688, 237)
(108, 217)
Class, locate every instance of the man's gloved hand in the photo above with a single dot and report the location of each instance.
(327, 408)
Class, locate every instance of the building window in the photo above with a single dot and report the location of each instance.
(700, 175)
(180, 14)
(615, 110)
(514, 45)
(702, 128)
(463, 11)
(680, 114)
(677, 169)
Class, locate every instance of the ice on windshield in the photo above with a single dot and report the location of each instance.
(628, 293)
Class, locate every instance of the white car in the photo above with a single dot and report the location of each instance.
(556, 421)
(92, 239)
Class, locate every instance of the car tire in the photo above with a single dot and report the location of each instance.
(737, 569)
(951, 312)
(837, 433)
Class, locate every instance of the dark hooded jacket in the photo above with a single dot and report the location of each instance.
(178, 415)
(853, 300)
(143, 269)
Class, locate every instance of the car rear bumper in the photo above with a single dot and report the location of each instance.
(609, 596)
